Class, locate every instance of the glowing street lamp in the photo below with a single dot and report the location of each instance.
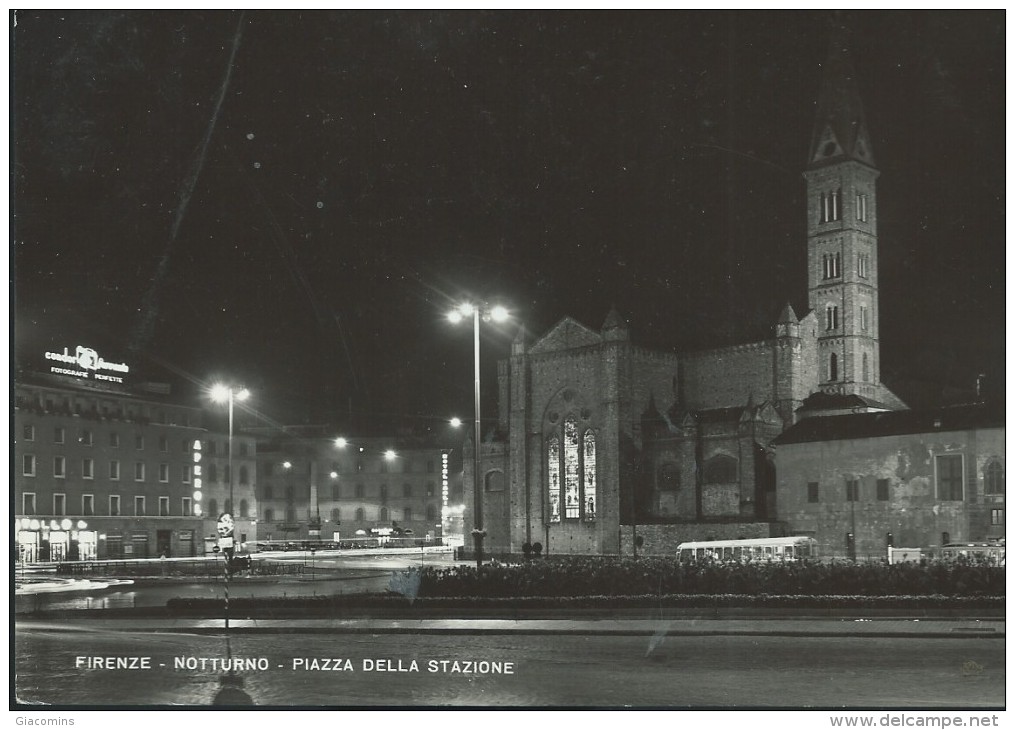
(496, 313)
(228, 394)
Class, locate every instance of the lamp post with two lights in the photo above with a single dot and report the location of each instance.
(486, 313)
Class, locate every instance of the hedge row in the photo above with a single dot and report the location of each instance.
(663, 576)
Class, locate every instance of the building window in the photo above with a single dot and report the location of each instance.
(720, 469)
(335, 492)
(267, 491)
(865, 368)
(993, 478)
(58, 435)
(289, 493)
(59, 467)
(668, 477)
(831, 206)
(185, 506)
(163, 443)
(861, 208)
(87, 505)
(882, 490)
(429, 466)
(87, 468)
(28, 465)
(831, 317)
(163, 506)
(59, 505)
(407, 514)
(244, 474)
(163, 472)
(114, 439)
(949, 477)
(114, 505)
(139, 441)
(336, 515)
(812, 492)
(997, 517)
(863, 317)
(139, 506)
(269, 515)
(831, 265)
(833, 366)
(431, 513)
(359, 491)
(430, 489)
(384, 515)
(85, 438)
(188, 471)
(228, 509)
(213, 473)
(243, 448)
(577, 462)
(862, 263)
(244, 508)
(360, 514)
(28, 503)
(114, 470)
(28, 433)
(384, 494)
(852, 490)
(138, 471)
(494, 482)
(407, 490)
(213, 508)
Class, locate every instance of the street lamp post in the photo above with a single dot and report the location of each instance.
(230, 394)
(497, 314)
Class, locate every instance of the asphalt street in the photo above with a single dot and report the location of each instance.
(792, 663)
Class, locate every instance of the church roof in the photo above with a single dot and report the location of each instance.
(840, 127)
(822, 401)
(567, 334)
(788, 316)
(614, 320)
(894, 423)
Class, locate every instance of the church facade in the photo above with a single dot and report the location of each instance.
(604, 447)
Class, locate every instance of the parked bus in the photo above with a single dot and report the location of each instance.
(765, 549)
(990, 552)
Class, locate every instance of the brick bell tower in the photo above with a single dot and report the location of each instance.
(842, 242)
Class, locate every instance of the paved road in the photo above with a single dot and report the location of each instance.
(547, 668)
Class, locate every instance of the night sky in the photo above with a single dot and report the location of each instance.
(301, 222)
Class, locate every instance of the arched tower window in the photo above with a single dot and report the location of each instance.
(831, 317)
(866, 370)
(572, 507)
(833, 367)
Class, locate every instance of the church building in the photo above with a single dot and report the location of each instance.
(604, 447)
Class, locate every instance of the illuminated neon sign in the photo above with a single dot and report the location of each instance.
(88, 363)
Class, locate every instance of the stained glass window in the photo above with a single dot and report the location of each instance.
(553, 473)
(589, 465)
(572, 506)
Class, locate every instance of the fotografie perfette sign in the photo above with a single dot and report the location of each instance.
(85, 362)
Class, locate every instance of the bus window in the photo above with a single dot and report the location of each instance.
(768, 551)
(727, 553)
(699, 553)
(738, 553)
(788, 552)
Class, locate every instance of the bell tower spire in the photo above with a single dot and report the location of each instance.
(842, 244)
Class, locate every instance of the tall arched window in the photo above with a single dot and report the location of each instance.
(244, 508)
(384, 514)
(360, 514)
(269, 515)
(553, 476)
(993, 478)
(866, 370)
(576, 461)
(833, 366)
(213, 508)
(336, 515)
(244, 475)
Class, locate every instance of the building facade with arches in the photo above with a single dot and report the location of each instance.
(603, 447)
